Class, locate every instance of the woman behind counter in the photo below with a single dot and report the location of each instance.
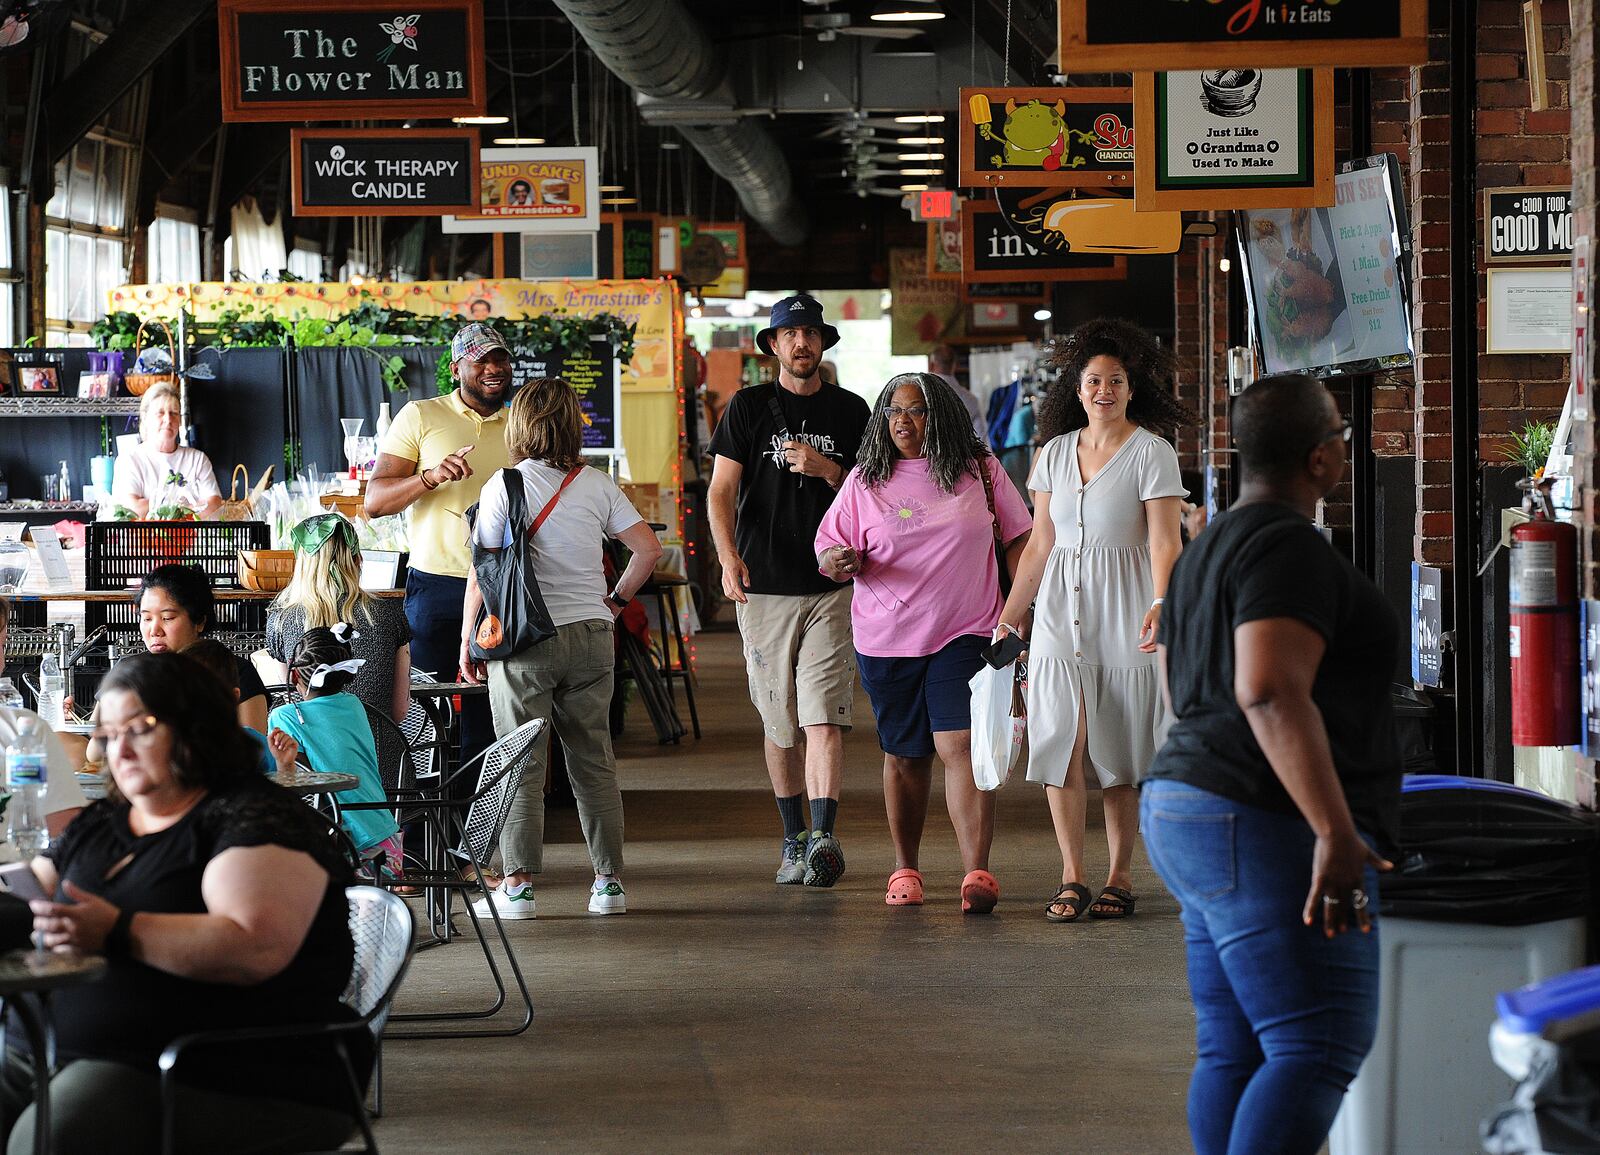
(158, 470)
(218, 901)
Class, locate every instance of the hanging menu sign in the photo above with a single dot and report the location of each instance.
(993, 250)
(595, 378)
(1145, 36)
(316, 60)
(1527, 225)
(1047, 137)
(1233, 138)
(525, 190)
(354, 172)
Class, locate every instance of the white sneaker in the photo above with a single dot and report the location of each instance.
(607, 898)
(512, 903)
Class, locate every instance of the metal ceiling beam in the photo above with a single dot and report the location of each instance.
(1034, 34)
(176, 142)
(81, 100)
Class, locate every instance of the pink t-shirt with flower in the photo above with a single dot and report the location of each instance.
(928, 572)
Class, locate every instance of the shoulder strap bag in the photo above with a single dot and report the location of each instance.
(994, 521)
(513, 617)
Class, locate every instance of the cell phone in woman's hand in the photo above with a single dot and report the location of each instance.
(19, 879)
(1007, 650)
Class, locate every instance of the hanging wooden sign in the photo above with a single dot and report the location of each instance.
(993, 250)
(1234, 138)
(369, 172)
(325, 60)
(1148, 36)
(1047, 137)
(1021, 292)
(528, 190)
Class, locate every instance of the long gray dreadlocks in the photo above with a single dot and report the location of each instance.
(951, 447)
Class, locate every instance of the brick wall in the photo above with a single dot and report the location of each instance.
(1188, 347)
(1585, 105)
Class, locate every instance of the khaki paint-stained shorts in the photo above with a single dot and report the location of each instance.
(800, 654)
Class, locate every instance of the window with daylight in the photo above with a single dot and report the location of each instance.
(174, 248)
(305, 263)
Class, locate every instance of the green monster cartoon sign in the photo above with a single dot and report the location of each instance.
(1047, 136)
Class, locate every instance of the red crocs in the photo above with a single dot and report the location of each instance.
(979, 892)
(905, 889)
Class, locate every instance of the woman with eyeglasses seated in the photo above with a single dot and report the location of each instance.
(915, 526)
(218, 901)
(326, 590)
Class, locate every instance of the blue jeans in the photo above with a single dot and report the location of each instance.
(433, 609)
(1284, 1016)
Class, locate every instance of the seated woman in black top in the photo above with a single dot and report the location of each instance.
(217, 899)
(1281, 772)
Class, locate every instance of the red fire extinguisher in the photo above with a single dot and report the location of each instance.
(1545, 708)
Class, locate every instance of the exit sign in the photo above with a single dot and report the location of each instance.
(936, 205)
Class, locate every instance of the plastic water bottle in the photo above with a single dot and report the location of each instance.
(52, 690)
(9, 694)
(27, 773)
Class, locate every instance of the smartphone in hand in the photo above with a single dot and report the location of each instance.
(19, 879)
(1007, 650)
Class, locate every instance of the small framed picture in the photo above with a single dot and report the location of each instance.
(96, 386)
(38, 379)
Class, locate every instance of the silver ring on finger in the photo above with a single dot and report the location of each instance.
(1359, 899)
(1329, 900)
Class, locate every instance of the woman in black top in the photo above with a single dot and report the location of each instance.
(218, 901)
(1280, 771)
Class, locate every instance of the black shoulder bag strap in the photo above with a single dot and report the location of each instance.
(783, 425)
(994, 521)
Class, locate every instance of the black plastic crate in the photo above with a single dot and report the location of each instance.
(121, 553)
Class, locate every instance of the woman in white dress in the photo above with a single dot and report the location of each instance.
(1107, 505)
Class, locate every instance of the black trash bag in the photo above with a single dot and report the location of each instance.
(1493, 857)
(1556, 1109)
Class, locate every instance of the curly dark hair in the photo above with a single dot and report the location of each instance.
(1150, 367)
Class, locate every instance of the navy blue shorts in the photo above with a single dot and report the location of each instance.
(915, 697)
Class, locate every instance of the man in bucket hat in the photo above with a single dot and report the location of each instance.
(781, 451)
(433, 460)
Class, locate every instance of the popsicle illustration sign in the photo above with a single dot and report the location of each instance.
(1047, 137)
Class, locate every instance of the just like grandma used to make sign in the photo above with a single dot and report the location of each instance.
(355, 172)
(332, 61)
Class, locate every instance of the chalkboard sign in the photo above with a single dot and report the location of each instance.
(1101, 35)
(383, 171)
(605, 248)
(324, 60)
(992, 251)
(1527, 225)
(637, 248)
(1427, 624)
(593, 377)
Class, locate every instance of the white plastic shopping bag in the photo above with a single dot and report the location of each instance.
(998, 725)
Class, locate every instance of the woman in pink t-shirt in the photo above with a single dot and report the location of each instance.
(914, 527)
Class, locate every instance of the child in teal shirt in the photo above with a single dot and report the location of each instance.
(334, 734)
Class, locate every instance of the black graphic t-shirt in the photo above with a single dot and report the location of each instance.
(779, 511)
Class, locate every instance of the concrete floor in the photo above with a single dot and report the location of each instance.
(723, 1013)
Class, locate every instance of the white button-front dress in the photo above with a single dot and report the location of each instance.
(1092, 601)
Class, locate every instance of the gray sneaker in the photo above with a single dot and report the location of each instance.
(824, 860)
(792, 867)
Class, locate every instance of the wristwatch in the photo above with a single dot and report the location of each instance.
(617, 600)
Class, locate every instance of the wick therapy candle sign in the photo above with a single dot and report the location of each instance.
(351, 60)
(384, 171)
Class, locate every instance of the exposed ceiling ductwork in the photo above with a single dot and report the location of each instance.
(661, 51)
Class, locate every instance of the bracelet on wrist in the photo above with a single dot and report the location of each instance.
(425, 483)
(1158, 602)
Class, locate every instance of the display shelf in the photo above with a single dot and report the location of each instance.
(52, 507)
(68, 407)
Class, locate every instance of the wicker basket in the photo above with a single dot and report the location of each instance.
(268, 570)
(238, 508)
(138, 383)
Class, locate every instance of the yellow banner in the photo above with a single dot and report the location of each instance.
(651, 305)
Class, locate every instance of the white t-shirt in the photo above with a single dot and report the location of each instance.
(148, 473)
(61, 790)
(969, 399)
(567, 556)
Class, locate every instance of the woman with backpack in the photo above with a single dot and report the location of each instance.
(567, 677)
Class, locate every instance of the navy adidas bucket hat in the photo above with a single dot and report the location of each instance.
(793, 313)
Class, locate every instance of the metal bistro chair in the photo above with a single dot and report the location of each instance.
(499, 771)
(381, 925)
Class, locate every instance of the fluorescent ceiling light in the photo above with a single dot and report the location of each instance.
(1041, 314)
(921, 118)
(613, 188)
(920, 156)
(913, 188)
(619, 200)
(922, 172)
(519, 140)
(906, 15)
(906, 140)
(480, 119)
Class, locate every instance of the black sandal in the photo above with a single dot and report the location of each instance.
(1120, 901)
(1076, 900)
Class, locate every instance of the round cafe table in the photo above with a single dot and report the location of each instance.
(305, 781)
(26, 979)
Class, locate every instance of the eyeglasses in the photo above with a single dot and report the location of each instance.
(1343, 433)
(916, 412)
(139, 731)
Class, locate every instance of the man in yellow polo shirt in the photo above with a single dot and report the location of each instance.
(433, 461)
